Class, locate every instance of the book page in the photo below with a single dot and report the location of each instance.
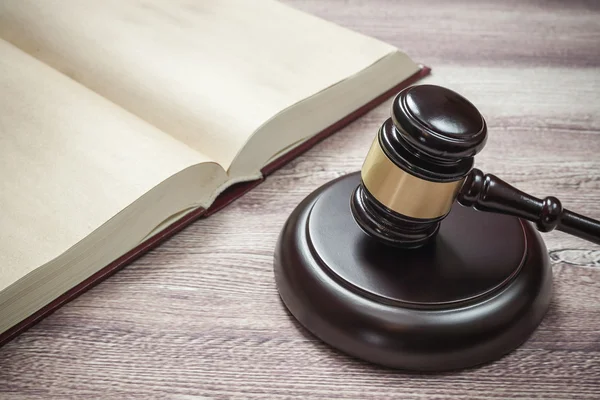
(69, 161)
(209, 73)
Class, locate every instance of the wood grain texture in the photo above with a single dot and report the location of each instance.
(200, 316)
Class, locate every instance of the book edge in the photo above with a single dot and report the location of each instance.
(225, 198)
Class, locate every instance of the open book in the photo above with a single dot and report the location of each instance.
(122, 121)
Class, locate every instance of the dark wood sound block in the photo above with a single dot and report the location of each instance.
(473, 294)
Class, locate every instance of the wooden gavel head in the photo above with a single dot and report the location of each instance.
(417, 164)
(422, 160)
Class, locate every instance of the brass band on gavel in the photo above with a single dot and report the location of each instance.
(402, 192)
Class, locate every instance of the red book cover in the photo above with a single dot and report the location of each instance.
(223, 200)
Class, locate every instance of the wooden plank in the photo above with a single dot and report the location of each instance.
(469, 32)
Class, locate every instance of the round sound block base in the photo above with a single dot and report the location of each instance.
(473, 294)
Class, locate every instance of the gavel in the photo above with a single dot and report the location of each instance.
(421, 162)
(395, 263)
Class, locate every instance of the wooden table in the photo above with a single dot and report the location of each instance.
(200, 316)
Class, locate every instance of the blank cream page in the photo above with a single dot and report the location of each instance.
(207, 72)
(69, 161)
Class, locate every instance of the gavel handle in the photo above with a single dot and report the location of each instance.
(486, 192)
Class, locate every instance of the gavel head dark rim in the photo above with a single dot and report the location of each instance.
(389, 227)
(444, 104)
(399, 151)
